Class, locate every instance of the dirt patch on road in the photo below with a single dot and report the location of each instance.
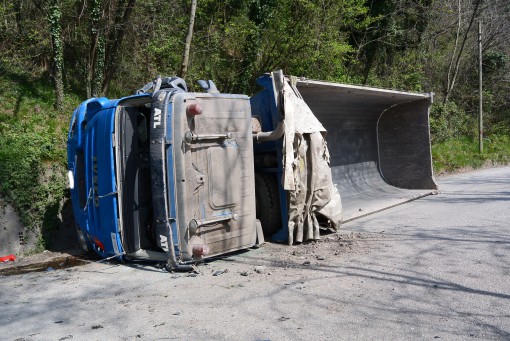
(333, 246)
(46, 261)
(334, 250)
(331, 249)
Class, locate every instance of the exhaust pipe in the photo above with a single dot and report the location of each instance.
(270, 135)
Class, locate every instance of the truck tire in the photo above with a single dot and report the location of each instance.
(267, 201)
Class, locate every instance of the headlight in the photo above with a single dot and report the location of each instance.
(70, 175)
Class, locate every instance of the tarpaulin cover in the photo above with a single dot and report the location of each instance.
(307, 175)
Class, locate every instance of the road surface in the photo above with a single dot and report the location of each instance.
(435, 268)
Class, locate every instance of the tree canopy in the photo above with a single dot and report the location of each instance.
(110, 47)
(85, 48)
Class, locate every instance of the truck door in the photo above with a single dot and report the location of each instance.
(214, 172)
(209, 172)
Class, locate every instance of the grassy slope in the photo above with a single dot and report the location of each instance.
(463, 153)
(33, 150)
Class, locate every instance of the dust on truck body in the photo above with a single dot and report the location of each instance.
(175, 176)
(163, 176)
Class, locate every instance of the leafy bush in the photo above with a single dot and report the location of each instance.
(449, 121)
(33, 151)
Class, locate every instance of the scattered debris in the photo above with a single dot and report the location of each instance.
(260, 269)
(9, 258)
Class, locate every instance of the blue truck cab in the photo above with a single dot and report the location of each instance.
(165, 175)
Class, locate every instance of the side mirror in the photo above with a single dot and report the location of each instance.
(208, 86)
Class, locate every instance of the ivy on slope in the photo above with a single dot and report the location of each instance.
(33, 151)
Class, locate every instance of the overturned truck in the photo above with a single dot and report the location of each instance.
(177, 176)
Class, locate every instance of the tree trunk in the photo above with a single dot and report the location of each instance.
(95, 16)
(457, 61)
(54, 17)
(185, 57)
(457, 36)
(116, 38)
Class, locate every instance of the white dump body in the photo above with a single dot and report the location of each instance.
(379, 143)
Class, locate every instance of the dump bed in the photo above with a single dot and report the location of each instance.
(378, 148)
(379, 143)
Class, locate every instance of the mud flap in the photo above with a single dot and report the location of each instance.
(260, 234)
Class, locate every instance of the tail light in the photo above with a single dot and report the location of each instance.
(194, 109)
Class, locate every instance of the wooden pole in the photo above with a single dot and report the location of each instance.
(480, 89)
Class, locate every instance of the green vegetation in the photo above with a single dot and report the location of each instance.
(462, 153)
(32, 150)
(56, 53)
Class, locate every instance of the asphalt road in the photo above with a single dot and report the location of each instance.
(435, 268)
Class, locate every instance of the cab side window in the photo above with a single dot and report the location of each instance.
(80, 177)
